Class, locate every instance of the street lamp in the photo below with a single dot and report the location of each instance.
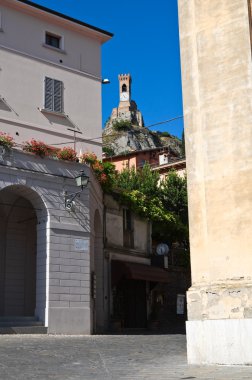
(105, 81)
(82, 181)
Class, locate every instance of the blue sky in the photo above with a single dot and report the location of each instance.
(145, 44)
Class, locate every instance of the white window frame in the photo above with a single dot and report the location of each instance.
(59, 49)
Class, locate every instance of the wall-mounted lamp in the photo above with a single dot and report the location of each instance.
(105, 81)
(82, 181)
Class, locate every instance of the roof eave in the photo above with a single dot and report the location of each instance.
(103, 35)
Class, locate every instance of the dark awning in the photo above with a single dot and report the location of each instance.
(134, 271)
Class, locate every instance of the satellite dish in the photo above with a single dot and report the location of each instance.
(162, 249)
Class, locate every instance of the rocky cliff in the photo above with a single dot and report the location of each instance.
(120, 136)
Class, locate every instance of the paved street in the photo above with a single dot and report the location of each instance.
(149, 357)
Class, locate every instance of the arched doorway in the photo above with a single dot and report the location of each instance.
(18, 252)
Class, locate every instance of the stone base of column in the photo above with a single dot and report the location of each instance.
(69, 321)
(224, 341)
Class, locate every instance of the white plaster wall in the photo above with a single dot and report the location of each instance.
(25, 63)
(22, 86)
(141, 237)
(81, 51)
(114, 228)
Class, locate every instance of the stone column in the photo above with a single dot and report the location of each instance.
(217, 92)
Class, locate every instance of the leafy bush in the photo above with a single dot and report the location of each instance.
(121, 125)
(104, 171)
(164, 204)
(164, 134)
(109, 151)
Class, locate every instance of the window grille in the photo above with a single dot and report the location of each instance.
(53, 40)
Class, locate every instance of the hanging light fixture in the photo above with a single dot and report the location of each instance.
(82, 181)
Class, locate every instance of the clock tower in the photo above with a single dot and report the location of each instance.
(127, 108)
(124, 90)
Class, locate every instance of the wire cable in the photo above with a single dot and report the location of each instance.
(108, 135)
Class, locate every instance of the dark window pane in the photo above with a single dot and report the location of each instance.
(53, 40)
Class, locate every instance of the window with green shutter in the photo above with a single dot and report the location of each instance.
(53, 95)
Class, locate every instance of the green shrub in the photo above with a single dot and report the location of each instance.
(122, 125)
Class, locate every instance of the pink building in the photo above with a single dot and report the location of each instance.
(160, 159)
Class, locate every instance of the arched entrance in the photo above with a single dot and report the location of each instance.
(19, 277)
(18, 252)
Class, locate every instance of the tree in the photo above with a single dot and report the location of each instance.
(174, 195)
(164, 204)
(144, 180)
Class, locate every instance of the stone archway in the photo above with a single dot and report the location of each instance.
(20, 212)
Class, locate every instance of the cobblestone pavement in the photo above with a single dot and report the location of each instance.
(149, 357)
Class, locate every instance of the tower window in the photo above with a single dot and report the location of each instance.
(124, 88)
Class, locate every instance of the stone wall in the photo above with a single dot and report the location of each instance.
(217, 92)
(65, 239)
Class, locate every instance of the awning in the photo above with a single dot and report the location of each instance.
(134, 271)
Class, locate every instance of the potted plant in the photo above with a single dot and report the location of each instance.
(67, 153)
(6, 140)
(37, 147)
(88, 158)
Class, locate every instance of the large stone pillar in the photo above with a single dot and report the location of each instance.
(217, 92)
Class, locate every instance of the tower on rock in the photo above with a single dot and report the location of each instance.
(127, 108)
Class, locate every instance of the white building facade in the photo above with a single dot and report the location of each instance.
(50, 91)
(50, 75)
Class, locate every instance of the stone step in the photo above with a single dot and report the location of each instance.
(15, 318)
(21, 325)
(23, 330)
(17, 323)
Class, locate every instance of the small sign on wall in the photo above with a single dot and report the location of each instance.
(180, 303)
(81, 244)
